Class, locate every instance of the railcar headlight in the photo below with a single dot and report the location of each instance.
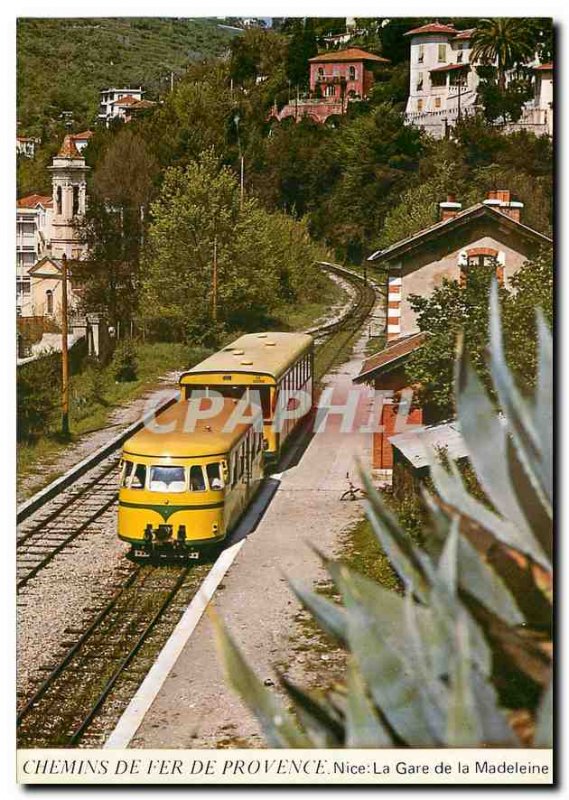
(215, 527)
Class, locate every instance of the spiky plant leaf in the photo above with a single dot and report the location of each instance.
(486, 437)
(318, 718)
(412, 566)
(544, 725)
(278, 726)
(363, 726)
(543, 409)
(463, 723)
(331, 617)
(450, 487)
(386, 667)
(521, 423)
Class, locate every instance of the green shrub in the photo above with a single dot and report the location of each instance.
(125, 363)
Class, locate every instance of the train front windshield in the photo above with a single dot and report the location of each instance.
(166, 478)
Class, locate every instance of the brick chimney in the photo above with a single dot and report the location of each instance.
(449, 208)
(501, 199)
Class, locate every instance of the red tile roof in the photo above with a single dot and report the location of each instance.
(351, 54)
(432, 27)
(68, 149)
(395, 350)
(450, 67)
(467, 34)
(142, 104)
(126, 100)
(548, 66)
(33, 200)
(84, 135)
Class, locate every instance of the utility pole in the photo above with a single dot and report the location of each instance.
(171, 81)
(64, 351)
(214, 282)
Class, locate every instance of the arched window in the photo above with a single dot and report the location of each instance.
(49, 301)
(352, 74)
(58, 201)
(482, 258)
(75, 201)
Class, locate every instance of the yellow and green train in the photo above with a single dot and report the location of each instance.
(187, 477)
(278, 367)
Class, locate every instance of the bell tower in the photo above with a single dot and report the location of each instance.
(69, 186)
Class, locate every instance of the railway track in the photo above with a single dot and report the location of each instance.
(75, 511)
(68, 706)
(64, 705)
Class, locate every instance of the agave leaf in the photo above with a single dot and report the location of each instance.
(487, 440)
(539, 517)
(447, 567)
(387, 607)
(544, 724)
(463, 722)
(385, 666)
(477, 578)
(363, 726)
(496, 732)
(318, 718)
(543, 411)
(278, 726)
(432, 690)
(413, 567)
(520, 419)
(329, 616)
(451, 489)
(518, 649)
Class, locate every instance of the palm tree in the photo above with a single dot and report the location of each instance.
(504, 42)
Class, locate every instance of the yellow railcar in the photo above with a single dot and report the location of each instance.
(275, 368)
(187, 478)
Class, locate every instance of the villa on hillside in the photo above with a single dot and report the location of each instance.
(443, 83)
(490, 234)
(337, 78)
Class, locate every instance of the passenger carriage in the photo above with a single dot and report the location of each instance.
(187, 477)
(274, 369)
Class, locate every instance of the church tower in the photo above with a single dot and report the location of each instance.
(68, 175)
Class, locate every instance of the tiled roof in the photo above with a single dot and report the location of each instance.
(126, 100)
(467, 34)
(351, 54)
(33, 200)
(68, 149)
(397, 349)
(443, 227)
(450, 67)
(548, 66)
(432, 27)
(140, 104)
(84, 135)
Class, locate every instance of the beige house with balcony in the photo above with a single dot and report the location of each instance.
(444, 81)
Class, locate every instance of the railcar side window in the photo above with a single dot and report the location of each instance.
(167, 479)
(139, 478)
(197, 480)
(128, 466)
(214, 476)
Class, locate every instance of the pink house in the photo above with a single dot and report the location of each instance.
(336, 78)
(343, 73)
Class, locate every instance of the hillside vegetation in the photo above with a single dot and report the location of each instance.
(63, 63)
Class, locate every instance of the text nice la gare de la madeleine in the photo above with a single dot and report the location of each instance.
(355, 410)
(280, 766)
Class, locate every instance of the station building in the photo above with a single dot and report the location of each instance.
(490, 234)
